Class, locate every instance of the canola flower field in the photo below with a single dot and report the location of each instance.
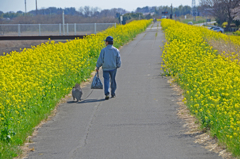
(210, 79)
(34, 80)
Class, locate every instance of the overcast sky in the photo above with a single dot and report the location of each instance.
(129, 5)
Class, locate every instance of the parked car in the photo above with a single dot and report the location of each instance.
(190, 23)
(217, 29)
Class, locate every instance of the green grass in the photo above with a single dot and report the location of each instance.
(194, 22)
(198, 20)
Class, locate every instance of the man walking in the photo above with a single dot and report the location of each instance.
(110, 60)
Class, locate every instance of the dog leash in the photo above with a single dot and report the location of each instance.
(87, 96)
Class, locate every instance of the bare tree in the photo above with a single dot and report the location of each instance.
(95, 11)
(81, 11)
(236, 13)
(87, 11)
(221, 9)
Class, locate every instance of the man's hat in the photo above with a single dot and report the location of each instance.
(109, 38)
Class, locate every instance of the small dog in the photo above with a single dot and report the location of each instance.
(77, 92)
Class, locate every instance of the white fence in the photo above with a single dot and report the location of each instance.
(52, 29)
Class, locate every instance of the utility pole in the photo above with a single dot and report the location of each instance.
(63, 21)
(36, 8)
(194, 10)
(25, 6)
(171, 12)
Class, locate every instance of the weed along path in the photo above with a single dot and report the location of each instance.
(140, 123)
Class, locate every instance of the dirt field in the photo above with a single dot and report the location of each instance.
(15, 45)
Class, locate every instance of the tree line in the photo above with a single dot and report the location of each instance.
(88, 14)
(178, 11)
(85, 11)
(222, 10)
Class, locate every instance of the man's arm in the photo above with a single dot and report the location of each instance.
(99, 61)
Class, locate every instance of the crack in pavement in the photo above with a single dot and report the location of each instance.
(83, 142)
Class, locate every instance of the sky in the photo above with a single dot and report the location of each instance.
(129, 5)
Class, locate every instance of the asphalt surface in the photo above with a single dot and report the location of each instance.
(140, 123)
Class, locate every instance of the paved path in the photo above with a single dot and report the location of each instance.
(140, 123)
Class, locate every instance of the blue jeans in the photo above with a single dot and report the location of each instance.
(112, 75)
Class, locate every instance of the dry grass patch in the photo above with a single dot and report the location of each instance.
(193, 126)
(226, 48)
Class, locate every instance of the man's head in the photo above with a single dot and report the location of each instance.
(109, 40)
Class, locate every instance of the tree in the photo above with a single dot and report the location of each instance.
(81, 11)
(236, 12)
(148, 16)
(95, 11)
(87, 11)
(143, 10)
(221, 9)
(10, 15)
(1, 14)
(181, 10)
